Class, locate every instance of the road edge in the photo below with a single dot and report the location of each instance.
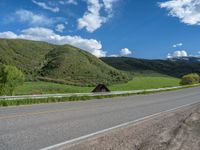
(134, 122)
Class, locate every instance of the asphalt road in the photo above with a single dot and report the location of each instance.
(39, 126)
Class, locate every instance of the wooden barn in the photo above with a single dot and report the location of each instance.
(101, 88)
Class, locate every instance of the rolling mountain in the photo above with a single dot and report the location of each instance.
(173, 68)
(64, 64)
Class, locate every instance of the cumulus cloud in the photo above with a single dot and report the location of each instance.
(177, 45)
(177, 54)
(32, 18)
(60, 27)
(188, 11)
(108, 4)
(8, 34)
(45, 6)
(92, 18)
(44, 34)
(125, 52)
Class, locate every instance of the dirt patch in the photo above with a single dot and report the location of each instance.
(177, 130)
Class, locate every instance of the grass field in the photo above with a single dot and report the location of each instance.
(142, 82)
(139, 81)
(49, 88)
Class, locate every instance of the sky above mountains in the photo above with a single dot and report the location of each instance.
(137, 28)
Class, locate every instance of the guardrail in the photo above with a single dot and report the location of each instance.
(43, 96)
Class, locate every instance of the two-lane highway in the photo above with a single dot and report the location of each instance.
(39, 126)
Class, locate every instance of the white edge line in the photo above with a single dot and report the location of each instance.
(140, 120)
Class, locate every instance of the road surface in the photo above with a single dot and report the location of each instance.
(39, 126)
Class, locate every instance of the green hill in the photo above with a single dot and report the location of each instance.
(28, 56)
(77, 66)
(64, 64)
(167, 67)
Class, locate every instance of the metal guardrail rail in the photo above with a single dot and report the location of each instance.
(43, 96)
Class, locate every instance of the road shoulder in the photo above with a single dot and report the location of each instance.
(178, 129)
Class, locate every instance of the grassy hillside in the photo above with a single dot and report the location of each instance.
(26, 55)
(176, 69)
(76, 66)
(65, 64)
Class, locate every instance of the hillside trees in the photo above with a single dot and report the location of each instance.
(10, 78)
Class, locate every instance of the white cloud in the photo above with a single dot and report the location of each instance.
(182, 53)
(45, 6)
(44, 34)
(108, 4)
(74, 2)
(8, 34)
(177, 45)
(113, 55)
(177, 54)
(92, 18)
(125, 52)
(188, 11)
(60, 27)
(169, 56)
(32, 18)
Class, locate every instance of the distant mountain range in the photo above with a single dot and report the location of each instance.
(185, 59)
(63, 64)
(176, 67)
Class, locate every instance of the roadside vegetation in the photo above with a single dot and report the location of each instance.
(189, 79)
(10, 78)
(4, 103)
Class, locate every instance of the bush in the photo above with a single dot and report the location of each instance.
(188, 79)
(10, 78)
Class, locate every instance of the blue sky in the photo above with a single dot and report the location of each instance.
(153, 29)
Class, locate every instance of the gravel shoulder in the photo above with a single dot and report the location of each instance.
(174, 130)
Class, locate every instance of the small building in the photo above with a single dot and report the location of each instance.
(101, 88)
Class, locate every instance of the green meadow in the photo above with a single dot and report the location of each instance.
(49, 88)
(139, 81)
(147, 80)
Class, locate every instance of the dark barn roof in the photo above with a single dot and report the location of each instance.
(101, 88)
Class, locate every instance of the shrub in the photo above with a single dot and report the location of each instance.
(10, 78)
(188, 79)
